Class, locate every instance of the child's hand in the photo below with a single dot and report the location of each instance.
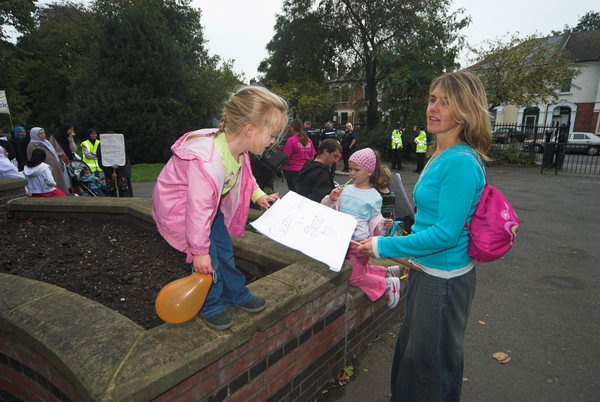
(335, 193)
(387, 223)
(266, 199)
(202, 264)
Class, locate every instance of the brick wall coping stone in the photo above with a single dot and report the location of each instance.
(108, 357)
(12, 184)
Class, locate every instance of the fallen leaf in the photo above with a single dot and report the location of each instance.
(465, 379)
(345, 374)
(365, 369)
(481, 322)
(502, 357)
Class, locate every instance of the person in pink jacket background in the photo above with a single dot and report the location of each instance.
(202, 195)
(299, 149)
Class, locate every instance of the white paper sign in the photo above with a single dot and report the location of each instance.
(3, 103)
(318, 231)
(113, 149)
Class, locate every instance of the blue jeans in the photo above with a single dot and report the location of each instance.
(229, 287)
(428, 362)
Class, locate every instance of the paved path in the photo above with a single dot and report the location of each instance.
(539, 303)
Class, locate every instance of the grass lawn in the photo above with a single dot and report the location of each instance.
(145, 171)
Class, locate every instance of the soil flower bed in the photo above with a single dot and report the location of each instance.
(119, 264)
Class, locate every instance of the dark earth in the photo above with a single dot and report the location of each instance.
(119, 264)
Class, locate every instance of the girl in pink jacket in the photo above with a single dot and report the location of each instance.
(203, 193)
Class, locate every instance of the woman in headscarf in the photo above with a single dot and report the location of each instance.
(65, 138)
(39, 141)
(7, 169)
(20, 140)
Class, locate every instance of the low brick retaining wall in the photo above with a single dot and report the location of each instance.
(57, 345)
(9, 190)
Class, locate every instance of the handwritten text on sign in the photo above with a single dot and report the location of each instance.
(309, 227)
(113, 149)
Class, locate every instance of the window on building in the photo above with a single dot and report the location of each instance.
(566, 86)
(344, 118)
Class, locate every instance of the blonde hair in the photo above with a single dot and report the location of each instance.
(385, 177)
(468, 106)
(254, 105)
(349, 126)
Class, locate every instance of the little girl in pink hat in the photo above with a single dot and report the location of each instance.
(361, 200)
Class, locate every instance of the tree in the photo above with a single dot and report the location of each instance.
(17, 14)
(377, 29)
(54, 53)
(523, 71)
(307, 99)
(589, 22)
(150, 76)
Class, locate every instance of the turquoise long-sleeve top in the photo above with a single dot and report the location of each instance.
(446, 196)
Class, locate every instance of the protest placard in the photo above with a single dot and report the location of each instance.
(113, 149)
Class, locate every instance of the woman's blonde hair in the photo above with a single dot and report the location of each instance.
(254, 105)
(468, 105)
(349, 126)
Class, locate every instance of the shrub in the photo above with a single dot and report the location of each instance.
(511, 155)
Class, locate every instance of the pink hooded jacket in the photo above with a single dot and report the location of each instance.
(188, 192)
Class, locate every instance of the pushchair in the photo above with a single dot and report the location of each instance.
(76, 170)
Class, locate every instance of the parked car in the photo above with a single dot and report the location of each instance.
(576, 142)
(505, 135)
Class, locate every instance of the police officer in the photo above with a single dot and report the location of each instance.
(396, 147)
(421, 148)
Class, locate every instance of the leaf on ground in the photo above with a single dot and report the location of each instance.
(481, 322)
(502, 357)
(465, 379)
(345, 374)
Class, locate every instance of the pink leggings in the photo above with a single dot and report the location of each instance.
(369, 278)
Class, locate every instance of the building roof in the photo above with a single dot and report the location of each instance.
(584, 46)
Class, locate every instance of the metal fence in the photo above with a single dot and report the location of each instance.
(550, 152)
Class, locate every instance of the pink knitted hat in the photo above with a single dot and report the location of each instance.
(366, 159)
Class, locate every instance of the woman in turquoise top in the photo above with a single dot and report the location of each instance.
(428, 362)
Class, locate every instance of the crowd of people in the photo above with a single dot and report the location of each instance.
(202, 196)
(52, 165)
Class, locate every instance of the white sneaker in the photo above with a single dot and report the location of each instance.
(394, 270)
(393, 291)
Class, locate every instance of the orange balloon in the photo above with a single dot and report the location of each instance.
(180, 300)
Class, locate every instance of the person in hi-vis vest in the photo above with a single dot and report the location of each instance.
(396, 147)
(421, 148)
(90, 149)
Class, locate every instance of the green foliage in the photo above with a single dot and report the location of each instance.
(378, 44)
(53, 54)
(17, 14)
(523, 71)
(589, 22)
(307, 99)
(511, 155)
(150, 76)
(146, 171)
(377, 138)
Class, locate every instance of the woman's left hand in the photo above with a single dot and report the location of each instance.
(366, 247)
(266, 199)
(388, 223)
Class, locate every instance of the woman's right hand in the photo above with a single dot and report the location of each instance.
(202, 264)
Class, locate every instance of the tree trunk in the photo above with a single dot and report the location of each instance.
(371, 93)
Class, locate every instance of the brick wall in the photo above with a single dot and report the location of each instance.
(28, 376)
(10, 190)
(295, 358)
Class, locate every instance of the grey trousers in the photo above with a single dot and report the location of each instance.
(428, 361)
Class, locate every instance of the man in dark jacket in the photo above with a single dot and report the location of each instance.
(315, 180)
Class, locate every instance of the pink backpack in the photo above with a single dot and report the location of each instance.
(493, 228)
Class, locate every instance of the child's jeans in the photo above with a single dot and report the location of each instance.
(371, 279)
(229, 287)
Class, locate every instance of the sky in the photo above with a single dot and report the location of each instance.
(240, 29)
